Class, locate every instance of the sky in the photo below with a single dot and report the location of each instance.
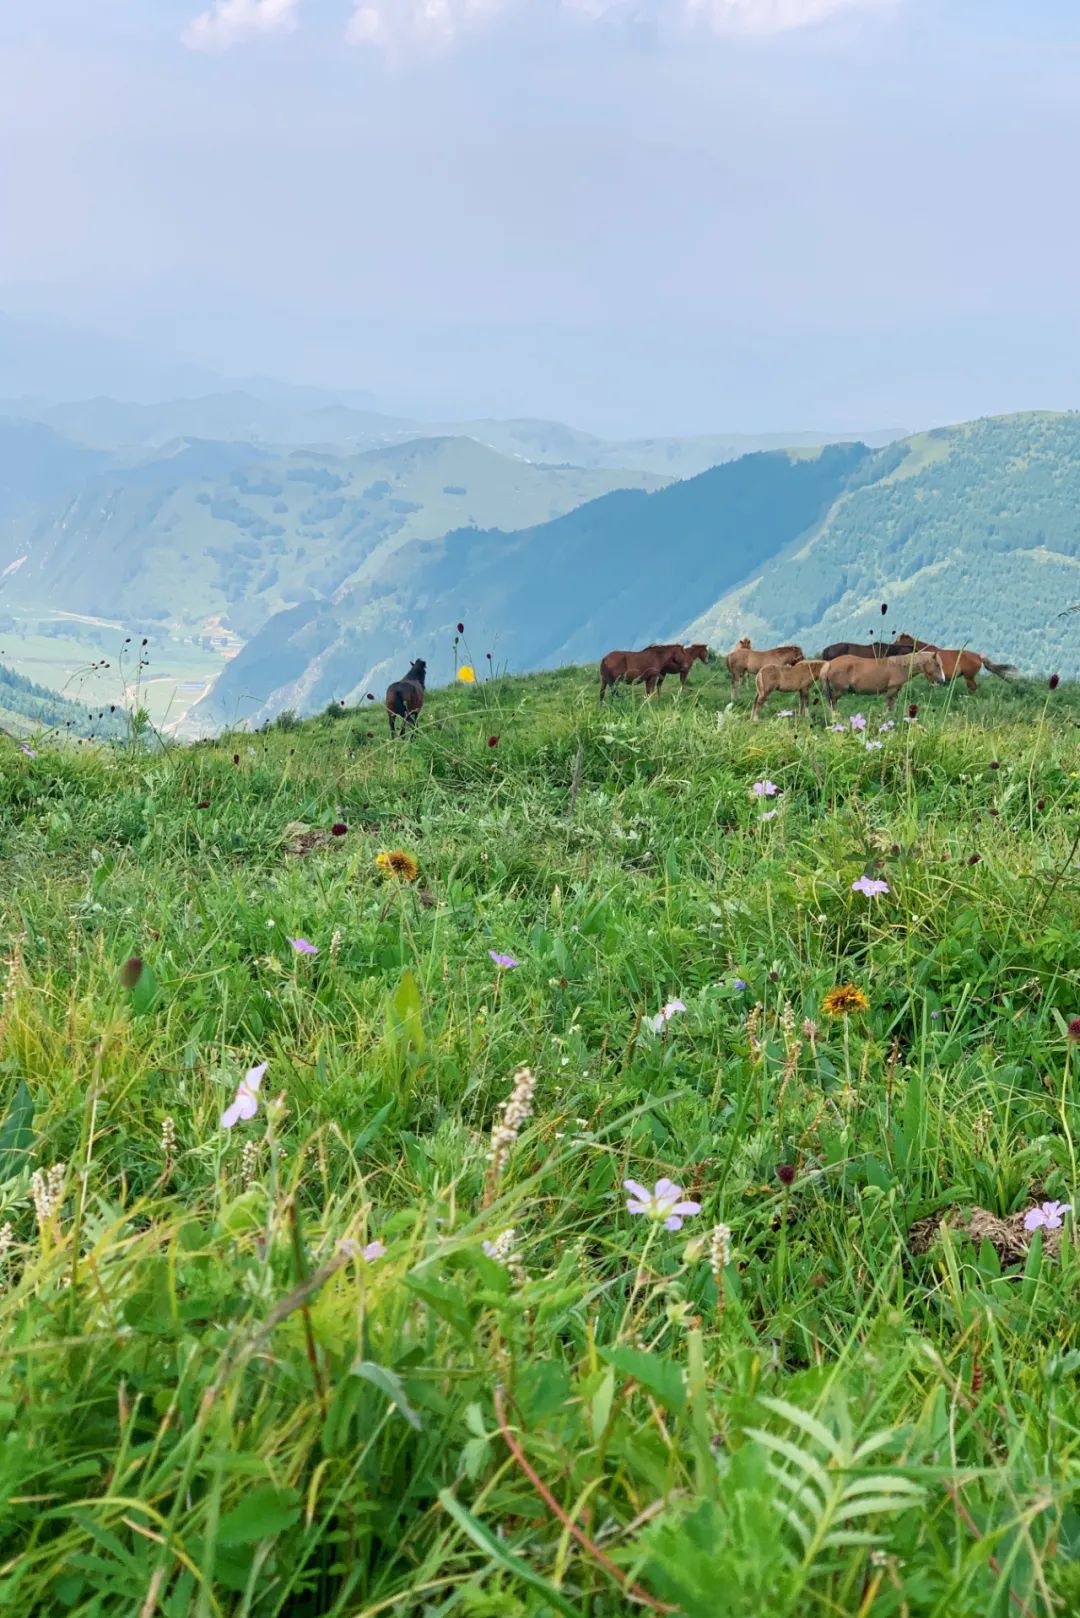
(638, 216)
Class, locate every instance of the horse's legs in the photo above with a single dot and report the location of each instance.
(804, 702)
(603, 687)
(972, 687)
(759, 703)
(390, 717)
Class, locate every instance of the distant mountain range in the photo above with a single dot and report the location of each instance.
(968, 534)
(117, 426)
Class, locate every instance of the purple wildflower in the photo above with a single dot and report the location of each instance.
(857, 721)
(245, 1103)
(664, 1204)
(786, 713)
(29, 751)
(765, 789)
(302, 947)
(739, 983)
(889, 724)
(664, 1015)
(1048, 1216)
(871, 746)
(869, 885)
(505, 963)
(769, 814)
(837, 727)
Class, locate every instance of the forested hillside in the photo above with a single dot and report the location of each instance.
(970, 533)
(622, 570)
(26, 708)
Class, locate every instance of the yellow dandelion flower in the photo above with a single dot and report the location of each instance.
(466, 674)
(395, 862)
(843, 1000)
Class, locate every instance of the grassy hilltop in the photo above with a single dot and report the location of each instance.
(273, 1369)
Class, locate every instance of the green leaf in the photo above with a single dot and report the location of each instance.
(502, 1557)
(388, 1382)
(262, 1513)
(17, 1132)
(403, 1020)
(661, 1376)
(602, 1401)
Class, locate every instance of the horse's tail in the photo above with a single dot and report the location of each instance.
(1004, 671)
(395, 701)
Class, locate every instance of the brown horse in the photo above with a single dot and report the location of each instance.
(679, 660)
(963, 665)
(875, 648)
(886, 676)
(742, 659)
(405, 698)
(636, 668)
(786, 677)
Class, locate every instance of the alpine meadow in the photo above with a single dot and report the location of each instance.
(539, 809)
(328, 1061)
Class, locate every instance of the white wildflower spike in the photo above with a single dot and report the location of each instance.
(502, 1251)
(515, 1114)
(719, 1250)
(47, 1190)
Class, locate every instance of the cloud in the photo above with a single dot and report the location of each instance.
(394, 24)
(231, 22)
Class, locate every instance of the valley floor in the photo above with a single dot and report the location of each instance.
(312, 1302)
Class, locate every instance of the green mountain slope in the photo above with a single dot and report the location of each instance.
(969, 533)
(27, 708)
(208, 532)
(620, 571)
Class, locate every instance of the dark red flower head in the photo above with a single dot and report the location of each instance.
(204, 803)
(1054, 681)
(913, 708)
(461, 629)
(131, 972)
(339, 828)
(488, 656)
(1041, 805)
(785, 1173)
(1074, 1028)
(371, 696)
(236, 758)
(493, 741)
(884, 608)
(975, 859)
(995, 764)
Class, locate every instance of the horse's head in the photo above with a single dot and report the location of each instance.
(698, 651)
(745, 643)
(418, 672)
(929, 664)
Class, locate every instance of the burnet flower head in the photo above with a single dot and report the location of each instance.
(664, 1204)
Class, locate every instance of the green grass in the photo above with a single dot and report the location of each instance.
(210, 1408)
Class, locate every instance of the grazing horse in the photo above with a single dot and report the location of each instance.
(743, 660)
(635, 668)
(786, 677)
(963, 665)
(405, 698)
(886, 676)
(875, 648)
(677, 659)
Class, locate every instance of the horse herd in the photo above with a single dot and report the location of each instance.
(846, 666)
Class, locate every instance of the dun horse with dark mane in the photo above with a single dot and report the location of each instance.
(405, 698)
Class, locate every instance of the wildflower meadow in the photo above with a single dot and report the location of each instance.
(513, 1171)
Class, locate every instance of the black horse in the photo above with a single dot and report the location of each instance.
(405, 698)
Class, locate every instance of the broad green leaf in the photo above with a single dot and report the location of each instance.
(388, 1382)
(262, 1513)
(16, 1132)
(661, 1376)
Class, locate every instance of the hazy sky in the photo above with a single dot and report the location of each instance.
(637, 215)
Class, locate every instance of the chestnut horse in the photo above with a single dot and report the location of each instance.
(679, 660)
(965, 666)
(405, 698)
(743, 660)
(885, 676)
(786, 677)
(636, 668)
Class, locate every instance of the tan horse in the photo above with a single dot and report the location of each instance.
(742, 659)
(798, 677)
(879, 677)
(636, 668)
